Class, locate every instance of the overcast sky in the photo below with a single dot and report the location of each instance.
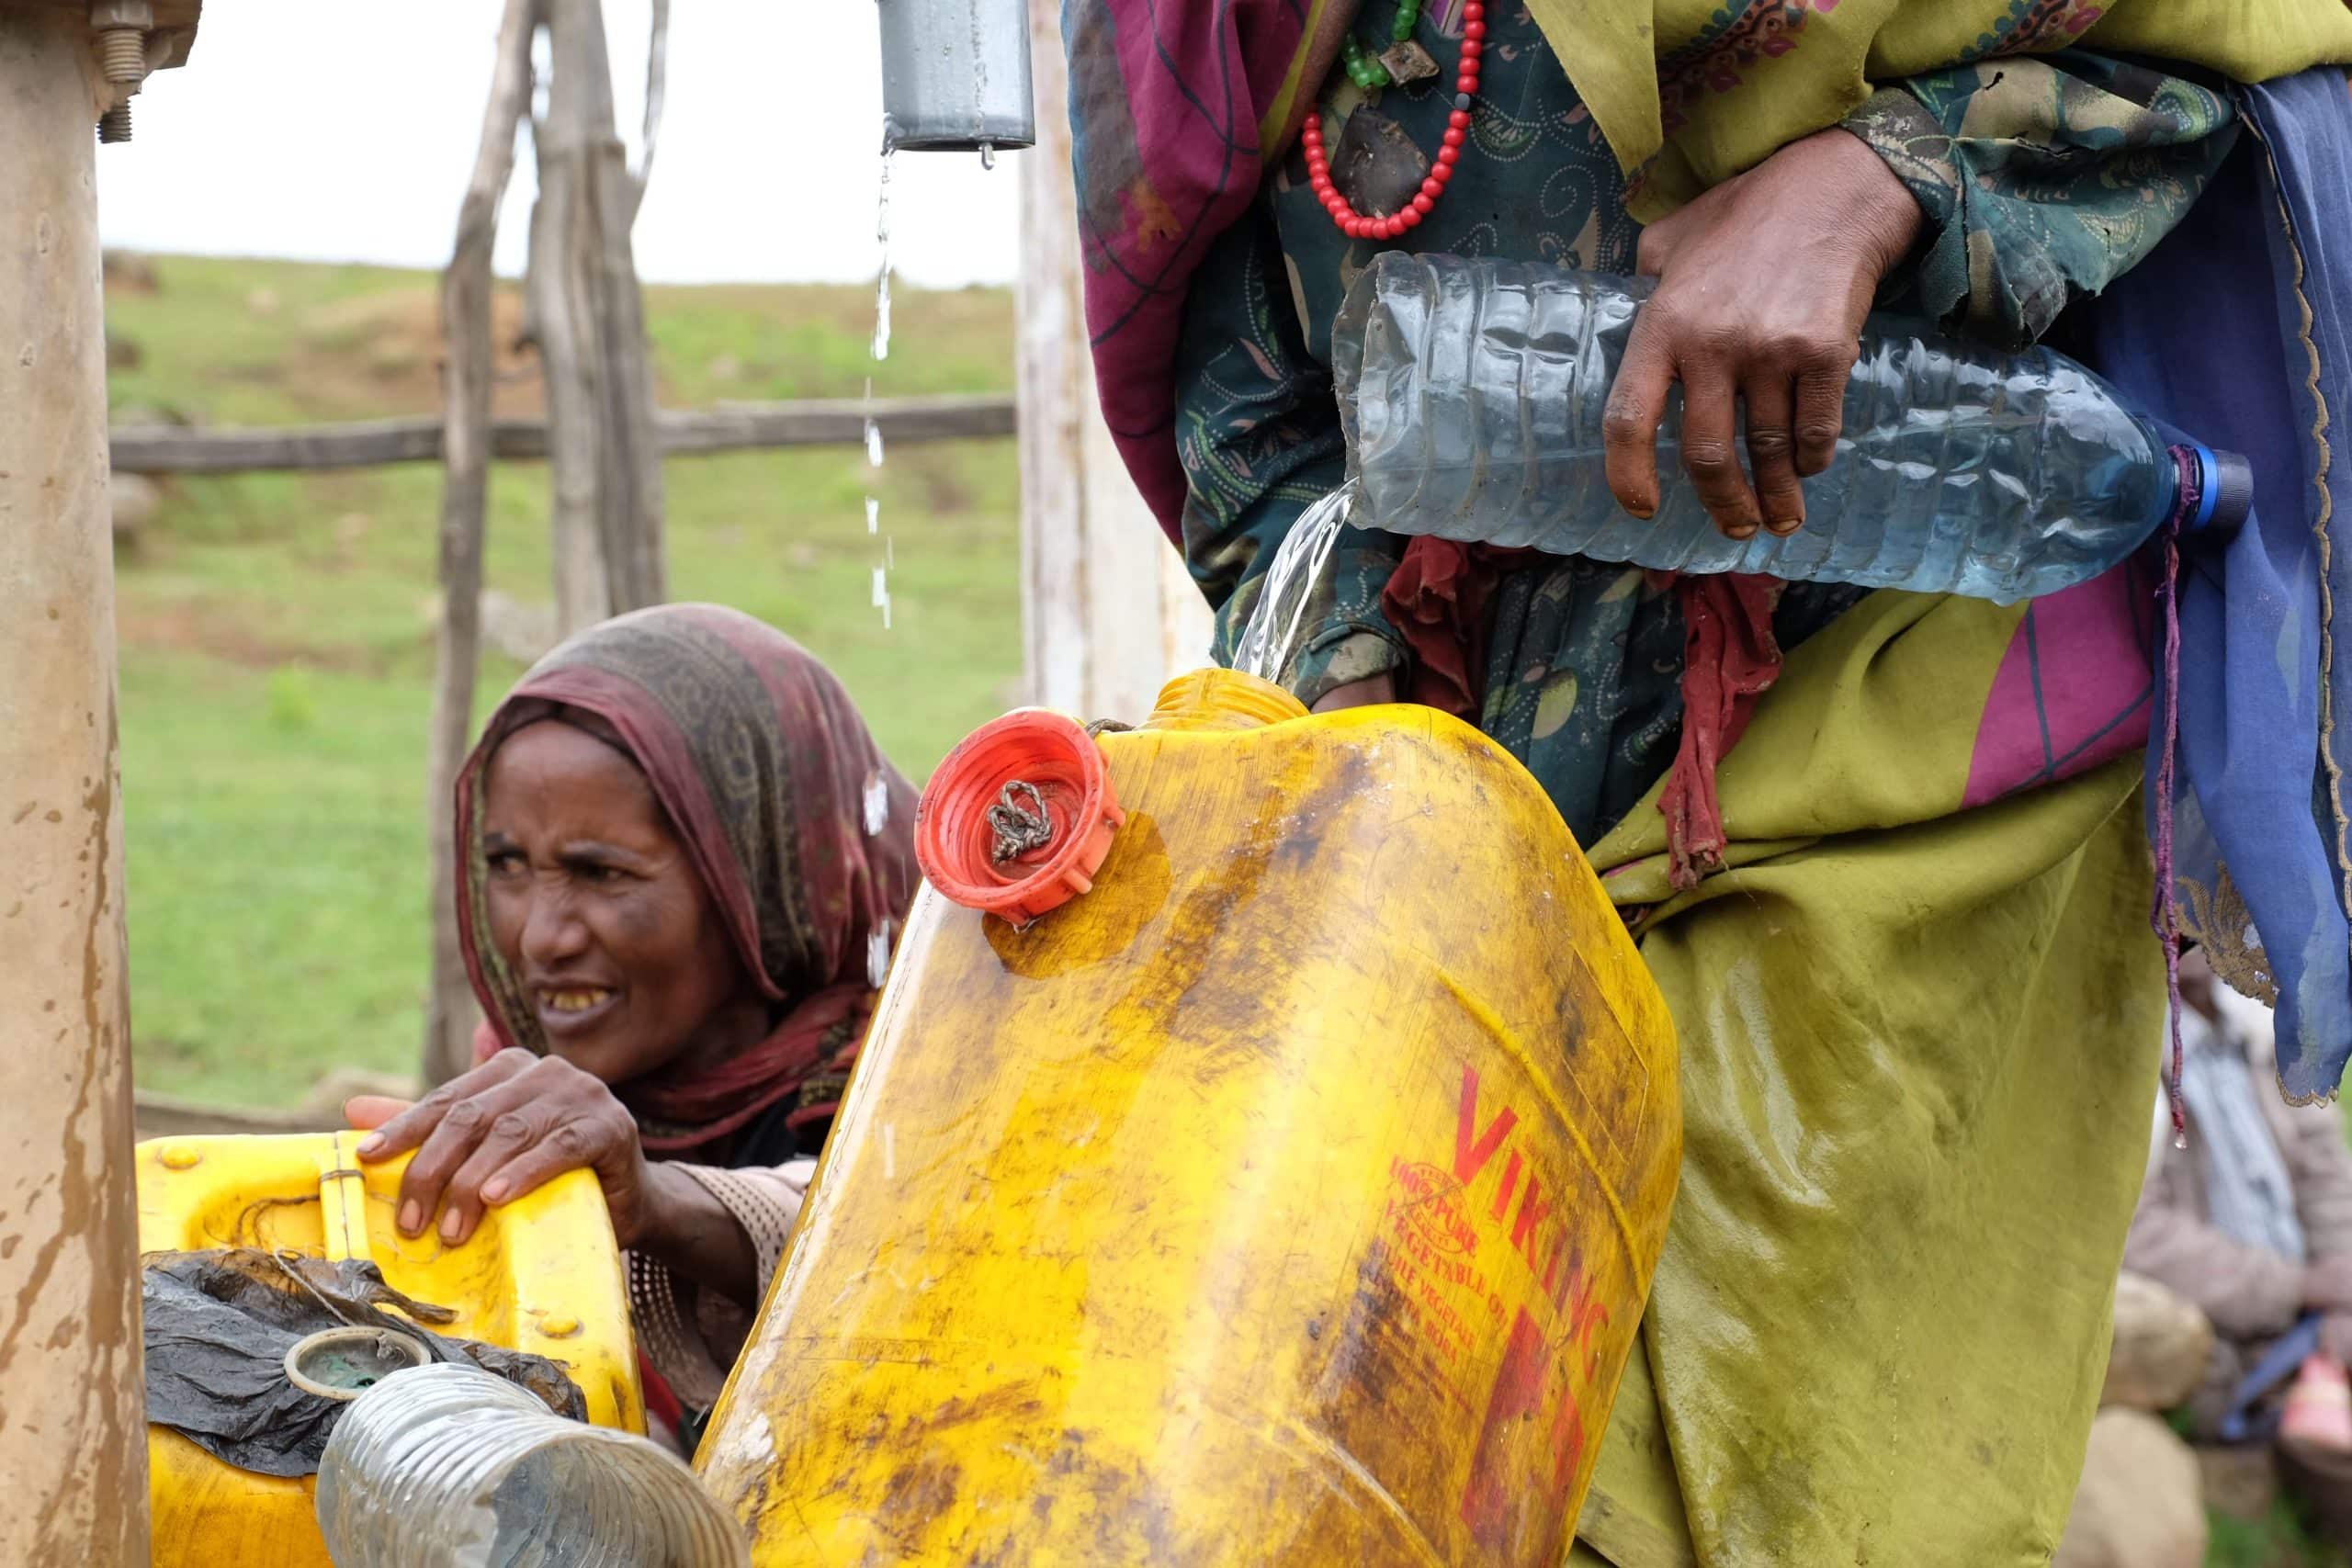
(333, 131)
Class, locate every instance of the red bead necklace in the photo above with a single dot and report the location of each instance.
(1318, 163)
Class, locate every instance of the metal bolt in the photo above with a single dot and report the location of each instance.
(180, 1156)
(122, 51)
(119, 28)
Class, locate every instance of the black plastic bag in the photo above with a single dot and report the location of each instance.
(219, 1324)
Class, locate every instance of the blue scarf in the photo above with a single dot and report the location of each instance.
(2238, 329)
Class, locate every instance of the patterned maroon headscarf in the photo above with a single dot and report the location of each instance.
(801, 830)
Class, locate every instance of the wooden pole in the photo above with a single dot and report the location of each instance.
(1107, 613)
(589, 317)
(73, 1424)
(450, 1010)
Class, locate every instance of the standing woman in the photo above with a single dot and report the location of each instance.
(1883, 852)
(685, 863)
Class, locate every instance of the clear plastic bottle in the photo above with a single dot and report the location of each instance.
(448, 1467)
(1471, 394)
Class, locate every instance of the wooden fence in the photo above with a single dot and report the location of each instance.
(738, 427)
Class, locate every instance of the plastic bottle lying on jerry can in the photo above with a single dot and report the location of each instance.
(542, 1275)
(1280, 1183)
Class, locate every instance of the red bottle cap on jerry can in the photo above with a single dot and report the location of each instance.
(1017, 820)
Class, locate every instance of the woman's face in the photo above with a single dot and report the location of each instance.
(600, 915)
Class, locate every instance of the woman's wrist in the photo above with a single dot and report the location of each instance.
(662, 1209)
(687, 1229)
(1887, 216)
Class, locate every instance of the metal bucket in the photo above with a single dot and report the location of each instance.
(956, 75)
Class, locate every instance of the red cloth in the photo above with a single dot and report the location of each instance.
(768, 774)
(1729, 660)
(1440, 599)
(661, 1403)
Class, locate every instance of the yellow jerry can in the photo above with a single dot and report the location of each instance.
(1289, 1195)
(542, 1274)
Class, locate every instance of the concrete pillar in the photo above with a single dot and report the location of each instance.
(1107, 610)
(73, 1430)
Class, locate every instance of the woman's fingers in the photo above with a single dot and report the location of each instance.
(459, 1131)
(1821, 408)
(510, 1132)
(1771, 449)
(494, 1134)
(1710, 450)
(409, 1127)
(570, 1148)
(1637, 404)
(365, 1112)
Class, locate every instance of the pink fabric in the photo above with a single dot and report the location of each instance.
(2073, 691)
(1165, 103)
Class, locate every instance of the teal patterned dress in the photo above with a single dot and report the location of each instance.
(2040, 179)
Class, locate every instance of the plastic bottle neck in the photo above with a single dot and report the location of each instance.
(1212, 699)
(2216, 489)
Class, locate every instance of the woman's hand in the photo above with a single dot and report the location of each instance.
(1763, 283)
(1371, 689)
(496, 1132)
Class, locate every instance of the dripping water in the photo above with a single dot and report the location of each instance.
(880, 350)
(882, 235)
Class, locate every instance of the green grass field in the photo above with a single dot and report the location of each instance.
(277, 630)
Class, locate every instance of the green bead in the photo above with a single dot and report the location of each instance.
(1402, 31)
(1379, 75)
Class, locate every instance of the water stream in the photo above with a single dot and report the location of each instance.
(1266, 642)
(880, 350)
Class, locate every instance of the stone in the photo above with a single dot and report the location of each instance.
(522, 631)
(2141, 1503)
(129, 272)
(136, 499)
(2242, 1481)
(2161, 1345)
